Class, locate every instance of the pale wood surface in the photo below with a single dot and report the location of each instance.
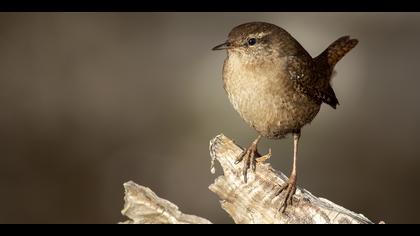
(255, 201)
(143, 206)
(251, 202)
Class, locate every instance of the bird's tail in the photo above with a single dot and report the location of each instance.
(326, 62)
(336, 51)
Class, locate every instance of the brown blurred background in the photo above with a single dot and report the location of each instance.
(91, 100)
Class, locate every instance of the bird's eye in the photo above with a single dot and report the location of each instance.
(252, 41)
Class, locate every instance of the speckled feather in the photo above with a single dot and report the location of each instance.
(275, 85)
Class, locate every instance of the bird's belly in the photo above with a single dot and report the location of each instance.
(270, 105)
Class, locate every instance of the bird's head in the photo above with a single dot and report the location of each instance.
(257, 39)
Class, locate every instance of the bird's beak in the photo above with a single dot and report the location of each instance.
(222, 46)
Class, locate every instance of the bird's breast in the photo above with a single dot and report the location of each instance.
(265, 97)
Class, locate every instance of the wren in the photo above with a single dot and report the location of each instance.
(277, 87)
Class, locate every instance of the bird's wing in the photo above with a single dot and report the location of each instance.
(307, 79)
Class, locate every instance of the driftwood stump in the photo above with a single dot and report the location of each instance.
(251, 202)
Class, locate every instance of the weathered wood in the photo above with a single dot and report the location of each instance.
(255, 201)
(143, 206)
(251, 202)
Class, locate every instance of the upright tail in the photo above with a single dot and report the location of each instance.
(336, 51)
(326, 62)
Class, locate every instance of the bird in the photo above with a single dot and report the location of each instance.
(277, 87)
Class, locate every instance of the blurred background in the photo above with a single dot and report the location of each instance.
(92, 100)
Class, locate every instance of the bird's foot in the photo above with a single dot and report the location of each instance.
(250, 156)
(289, 189)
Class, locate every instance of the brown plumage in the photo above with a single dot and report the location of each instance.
(276, 86)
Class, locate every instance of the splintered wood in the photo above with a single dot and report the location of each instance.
(253, 202)
(143, 206)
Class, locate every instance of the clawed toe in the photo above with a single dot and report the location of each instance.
(250, 156)
(289, 188)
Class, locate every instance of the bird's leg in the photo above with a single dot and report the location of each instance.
(251, 157)
(290, 185)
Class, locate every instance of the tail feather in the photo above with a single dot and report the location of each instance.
(326, 62)
(337, 50)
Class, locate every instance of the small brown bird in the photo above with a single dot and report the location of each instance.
(276, 86)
